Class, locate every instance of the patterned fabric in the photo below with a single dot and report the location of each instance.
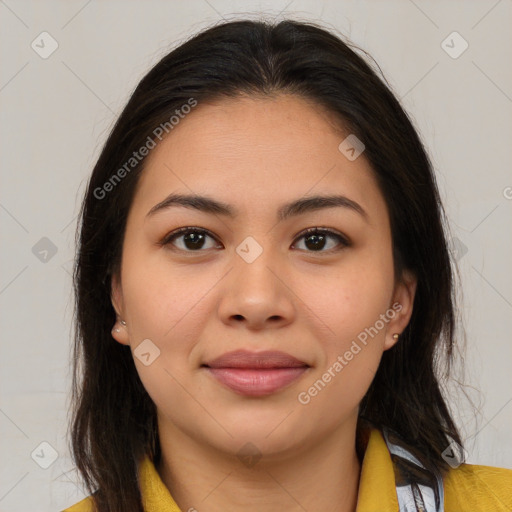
(418, 489)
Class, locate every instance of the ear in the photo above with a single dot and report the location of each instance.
(119, 330)
(402, 304)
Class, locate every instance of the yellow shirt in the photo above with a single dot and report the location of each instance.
(468, 488)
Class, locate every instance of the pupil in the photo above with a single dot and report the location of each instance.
(195, 239)
(317, 238)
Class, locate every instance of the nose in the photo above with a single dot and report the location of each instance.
(257, 294)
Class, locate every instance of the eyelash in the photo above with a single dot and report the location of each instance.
(170, 237)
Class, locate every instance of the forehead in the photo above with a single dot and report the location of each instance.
(270, 149)
(242, 127)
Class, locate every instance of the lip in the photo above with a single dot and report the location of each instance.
(255, 360)
(256, 373)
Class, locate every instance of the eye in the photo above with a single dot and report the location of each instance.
(315, 240)
(192, 239)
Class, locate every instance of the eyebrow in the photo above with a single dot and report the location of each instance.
(300, 206)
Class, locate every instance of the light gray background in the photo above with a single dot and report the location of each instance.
(55, 116)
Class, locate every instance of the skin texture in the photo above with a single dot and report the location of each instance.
(257, 154)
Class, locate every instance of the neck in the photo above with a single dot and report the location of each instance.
(323, 477)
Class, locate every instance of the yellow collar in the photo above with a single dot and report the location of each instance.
(376, 485)
(468, 487)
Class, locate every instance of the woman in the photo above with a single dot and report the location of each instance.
(264, 292)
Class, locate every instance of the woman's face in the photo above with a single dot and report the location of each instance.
(254, 281)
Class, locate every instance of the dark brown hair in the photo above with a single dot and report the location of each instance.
(114, 419)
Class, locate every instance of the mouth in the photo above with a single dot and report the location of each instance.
(256, 373)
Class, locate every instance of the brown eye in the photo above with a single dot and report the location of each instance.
(189, 239)
(316, 240)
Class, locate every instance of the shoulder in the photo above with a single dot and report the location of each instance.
(86, 505)
(478, 488)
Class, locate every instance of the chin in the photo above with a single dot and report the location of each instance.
(267, 432)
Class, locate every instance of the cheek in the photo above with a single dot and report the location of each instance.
(160, 296)
(341, 386)
(168, 306)
(351, 304)
(352, 347)
(352, 297)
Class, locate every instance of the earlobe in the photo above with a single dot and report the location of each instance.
(120, 333)
(402, 304)
(119, 330)
(392, 341)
